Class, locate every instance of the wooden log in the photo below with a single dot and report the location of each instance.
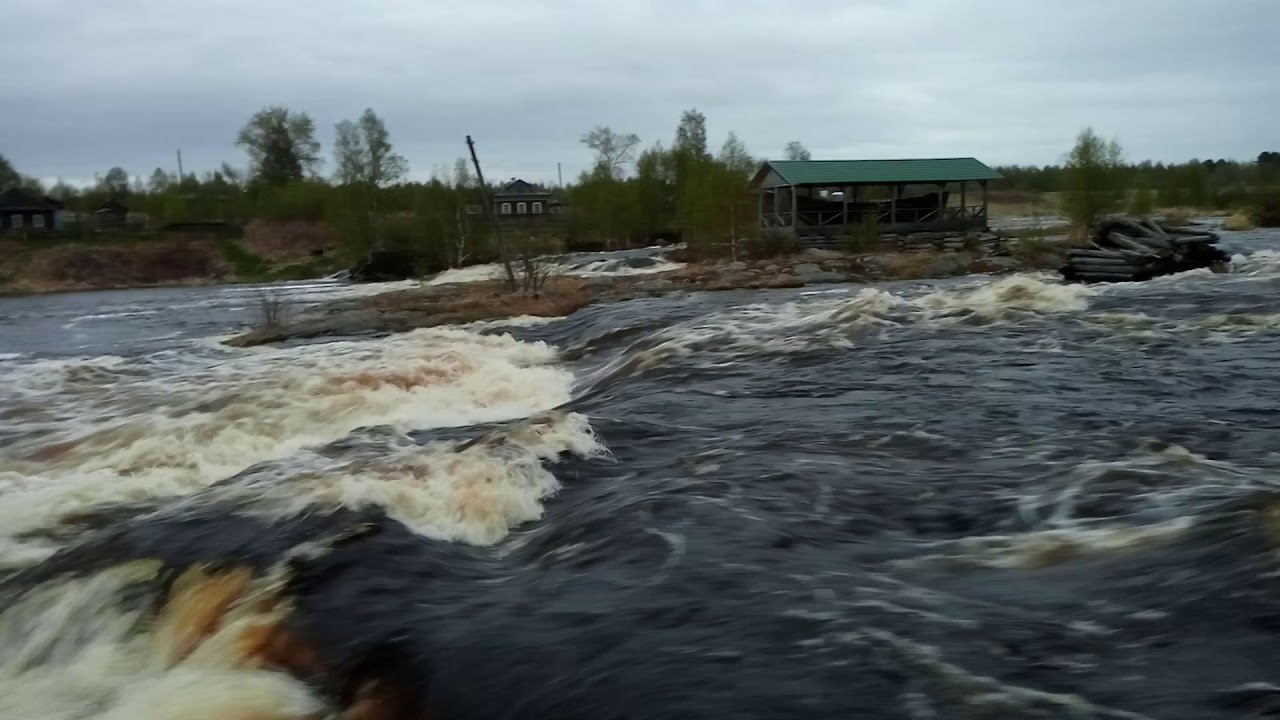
(1103, 262)
(1101, 254)
(1107, 277)
(1123, 241)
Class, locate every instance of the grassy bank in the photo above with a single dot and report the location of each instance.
(109, 260)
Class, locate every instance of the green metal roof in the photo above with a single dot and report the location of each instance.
(877, 172)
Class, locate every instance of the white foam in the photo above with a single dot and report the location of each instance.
(839, 320)
(114, 430)
(70, 650)
(1264, 263)
(474, 494)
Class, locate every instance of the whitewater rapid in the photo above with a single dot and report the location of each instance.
(1007, 494)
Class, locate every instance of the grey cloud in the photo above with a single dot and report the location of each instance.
(127, 82)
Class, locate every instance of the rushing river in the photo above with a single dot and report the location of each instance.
(979, 498)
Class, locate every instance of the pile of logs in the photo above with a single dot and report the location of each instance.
(1125, 249)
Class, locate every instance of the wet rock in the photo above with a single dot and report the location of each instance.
(1003, 263)
(656, 286)
(806, 269)
(821, 254)
(949, 264)
(385, 266)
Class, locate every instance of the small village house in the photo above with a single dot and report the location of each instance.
(25, 211)
(523, 202)
(816, 200)
(111, 213)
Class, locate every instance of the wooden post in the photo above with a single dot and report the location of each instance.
(985, 219)
(964, 206)
(893, 206)
(795, 211)
(493, 222)
(941, 200)
(844, 209)
(761, 219)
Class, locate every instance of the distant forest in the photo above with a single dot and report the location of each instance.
(632, 195)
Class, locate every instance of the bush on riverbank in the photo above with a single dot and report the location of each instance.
(1238, 222)
(1265, 209)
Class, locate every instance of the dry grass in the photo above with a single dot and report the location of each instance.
(289, 242)
(81, 267)
(487, 301)
(1239, 221)
(1178, 217)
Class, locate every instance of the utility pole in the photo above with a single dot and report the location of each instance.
(180, 175)
(493, 222)
(559, 175)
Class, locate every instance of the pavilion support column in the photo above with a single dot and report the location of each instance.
(795, 210)
(760, 219)
(985, 206)
(964, 206)
(844, 208)
(893, 206)
(942, 200)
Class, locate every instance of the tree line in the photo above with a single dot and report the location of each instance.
(628, 196)
(1198, 183)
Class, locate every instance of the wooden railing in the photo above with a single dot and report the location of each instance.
(776, 220)
(905, 216)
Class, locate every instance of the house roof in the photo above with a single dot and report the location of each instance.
(111, 206)
(876, 172)
(19, 199)
(519, 187)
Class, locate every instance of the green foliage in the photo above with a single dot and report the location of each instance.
(363, 154)
(1094, 179)
(281, 145)
(613, 150)
(866, 235)
(115, 183)
(1221, 184)
(1264, 209)
(1142, 202)
(691, 135)
(9, 177)
(796, 151)
(297, 200)
(244, 264)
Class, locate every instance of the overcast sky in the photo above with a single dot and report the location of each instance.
(87, 85)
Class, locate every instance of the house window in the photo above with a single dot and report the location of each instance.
(537, 208)
(506, 208)
(37, 221)
(15, 220)
(521, 208)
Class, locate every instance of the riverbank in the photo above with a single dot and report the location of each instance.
(126, 260)
(451, 303)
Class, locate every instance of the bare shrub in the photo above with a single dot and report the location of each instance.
(273, 310)
(1238, 222)
(1177, 217)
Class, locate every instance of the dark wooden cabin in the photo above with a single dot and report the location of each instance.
(520, 201)
(24, 211)
(111, 213)
(827, 199)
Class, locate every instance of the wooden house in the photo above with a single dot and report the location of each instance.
(111, 213)
(827, 199)
(24, 211)
(521, 202)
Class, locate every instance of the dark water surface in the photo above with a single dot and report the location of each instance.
(980, 498)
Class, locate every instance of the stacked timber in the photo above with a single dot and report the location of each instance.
(1126, 249)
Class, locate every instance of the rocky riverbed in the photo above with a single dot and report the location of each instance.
(437, 303)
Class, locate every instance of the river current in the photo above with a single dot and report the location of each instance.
(986, 497)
